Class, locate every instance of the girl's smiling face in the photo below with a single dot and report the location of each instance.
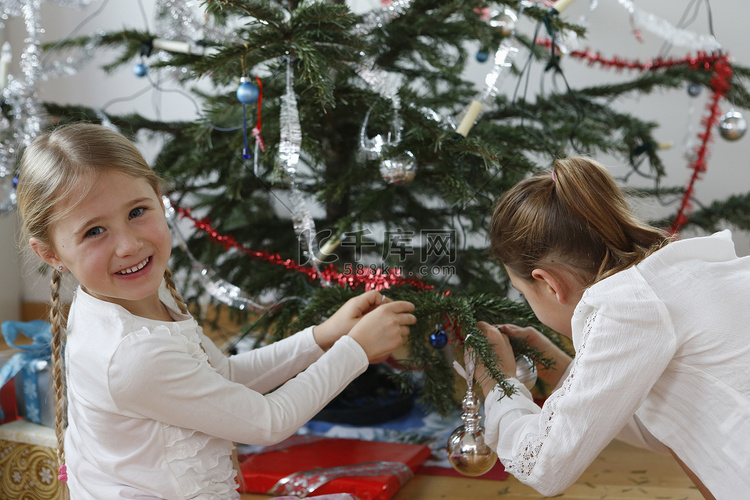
(115, 241)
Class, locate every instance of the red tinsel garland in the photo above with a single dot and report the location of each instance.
(718, 64)
(720, 86)
(372, 279)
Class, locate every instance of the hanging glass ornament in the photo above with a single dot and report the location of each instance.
(438, 338)
(370, 149)
(503, 19)
(503, 60)
(290, 147)
(482, 55)
(247, 92)
(732, 125)
(400, 169)
(526, 371)
(394, 168)
(467, 451)
(694, 89)
(140, 70)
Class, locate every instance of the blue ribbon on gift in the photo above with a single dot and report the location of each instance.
(26, 360)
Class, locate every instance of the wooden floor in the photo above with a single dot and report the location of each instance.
(621, 472)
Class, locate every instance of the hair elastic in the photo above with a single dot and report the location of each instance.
(62, 474)
(553, 175)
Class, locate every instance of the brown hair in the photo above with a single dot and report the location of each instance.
(574, 215)
(51, 171)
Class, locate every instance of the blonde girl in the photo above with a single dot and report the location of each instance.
(661, 331)
(153, 407)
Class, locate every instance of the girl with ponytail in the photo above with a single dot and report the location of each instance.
(660, 329)
(147, 406)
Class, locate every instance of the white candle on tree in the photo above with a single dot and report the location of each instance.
(171, 45)
(561, 5)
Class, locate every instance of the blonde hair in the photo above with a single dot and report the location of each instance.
(52, 169)
(574, 215)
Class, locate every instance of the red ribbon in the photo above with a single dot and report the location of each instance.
(256, 129)
(305, 482)
(371, 279)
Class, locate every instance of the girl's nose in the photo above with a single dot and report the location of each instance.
(128, 243)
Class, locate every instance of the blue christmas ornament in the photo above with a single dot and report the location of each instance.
(482, 56)
(247, 93)
(140, 70)
(438, 339)
(694, 89)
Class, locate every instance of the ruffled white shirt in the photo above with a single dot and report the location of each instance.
(662, 359)
(154, 407)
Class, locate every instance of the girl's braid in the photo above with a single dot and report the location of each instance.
(173, 290)
(56, 315)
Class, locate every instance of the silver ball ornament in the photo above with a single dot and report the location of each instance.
(732, 125)
(526, 371)
(469, 454)
(467, 451)
(399, 169)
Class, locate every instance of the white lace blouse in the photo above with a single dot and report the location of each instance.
(662, 359)
(151, 414)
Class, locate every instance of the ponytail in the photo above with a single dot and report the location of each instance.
(574, 215)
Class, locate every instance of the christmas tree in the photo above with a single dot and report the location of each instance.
(338, 151)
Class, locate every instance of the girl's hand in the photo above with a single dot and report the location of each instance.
(382, 331)
(501, 345)
(343, 320)
(535, 338)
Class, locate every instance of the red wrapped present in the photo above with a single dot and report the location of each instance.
(370, 470)
(8, 411)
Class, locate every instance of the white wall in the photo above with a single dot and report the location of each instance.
(610, 33)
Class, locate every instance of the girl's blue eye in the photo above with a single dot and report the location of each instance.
(94, 231)
(136, 212)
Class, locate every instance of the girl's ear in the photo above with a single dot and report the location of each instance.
(554, 284)
(44, 252)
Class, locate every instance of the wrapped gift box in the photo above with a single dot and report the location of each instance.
(27, 368)
(370, 470)
(28, 461)
(8, 403)
(43, 411)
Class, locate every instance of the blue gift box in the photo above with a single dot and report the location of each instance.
(31, 368)
(34, 397)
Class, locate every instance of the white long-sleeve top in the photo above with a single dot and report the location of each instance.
(154, 407)
(662, 351)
